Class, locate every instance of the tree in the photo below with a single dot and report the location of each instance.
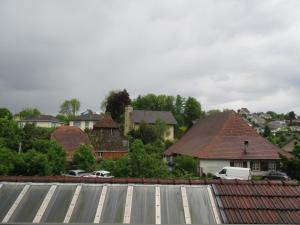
(291, 167)
(36, 163)
(10, 133)
(212, 112)
(84, 158)
(5, 113)
(7, 161)
(56, 156)
(185, 166)
(69, 108)
(192, 111)
(267, 132)
(115, 104)
(291, 116)
(150, 133)
(29, 112)
(296, 151)
(32, 133)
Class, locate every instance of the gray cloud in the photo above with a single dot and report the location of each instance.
(228, 54)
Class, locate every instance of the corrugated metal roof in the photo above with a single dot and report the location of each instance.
(105, 203)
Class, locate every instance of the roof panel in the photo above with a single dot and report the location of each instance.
(59, 204)
(8, 195)
(30, 204)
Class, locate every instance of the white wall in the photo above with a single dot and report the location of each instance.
(212, 166)
(82, 124)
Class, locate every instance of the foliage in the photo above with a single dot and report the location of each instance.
(10, 134)
(63, 118)
(29, 112)
(291, 116)
(276, 116)
(150, 133)
(36, 163)
(84, 158)
(142, 161)
(157, 103)
(185, 166)
(267, 132)
(296, 151)
(115, 104)
(192, 111)
(291, 167)
(56, 156)
(5, 113)
(7, 161)
(69, 108)
(212, 112)
(31, 133)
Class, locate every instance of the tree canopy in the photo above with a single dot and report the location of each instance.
(70, 108)
(26, 112)
(115, 104)
(84, 158)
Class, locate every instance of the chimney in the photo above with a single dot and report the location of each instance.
(127, 122)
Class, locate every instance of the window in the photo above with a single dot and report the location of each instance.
(99, 154)
(245, 164)
(272, 166)
(232, 164)
(255, 165)
(223, 171)
(264, 166)
(86, 124)
(239, 164)
(77, 123)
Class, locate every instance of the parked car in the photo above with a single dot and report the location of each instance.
(230, 173)
(76, 173)
(276, 175)
(100, 174)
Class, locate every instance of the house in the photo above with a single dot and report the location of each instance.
(86, 119)
(295, 129)
(225, 139)
(109, 141)
(86, 200)
(45, 121)
(133, 118)
(276, 125)
(290, 144)
(70, 137)
(259, 121)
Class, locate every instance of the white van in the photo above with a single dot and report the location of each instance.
(230, 173)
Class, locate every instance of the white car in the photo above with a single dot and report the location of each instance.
(100, 174)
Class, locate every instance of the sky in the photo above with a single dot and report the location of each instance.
(227, 54)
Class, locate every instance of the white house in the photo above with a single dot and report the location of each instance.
(87, 119)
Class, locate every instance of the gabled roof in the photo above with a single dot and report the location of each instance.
(222, 136)
(41, 118)
(106, 122)
(258, 203)
(151, 117)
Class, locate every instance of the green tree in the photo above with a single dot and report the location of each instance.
(291, 116)
(7, 161)
(84, 158)
(115, 104)
(10, 133)
(267, 132)
(29, 112)
(32, 133)
(192, 111)
(296, 151)
(212, 111)
(57, 158)
(291, 167)
(185, 166)
(70, 108)
(5, 113)
(36, 163)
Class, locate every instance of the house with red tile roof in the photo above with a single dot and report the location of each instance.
(225, 139)
(109, 141)
(70, 138)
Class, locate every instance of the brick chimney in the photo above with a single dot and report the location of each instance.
(128, 122)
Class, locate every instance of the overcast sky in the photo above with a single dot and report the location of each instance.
(227, 54)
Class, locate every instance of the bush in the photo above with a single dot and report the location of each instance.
(84, 158)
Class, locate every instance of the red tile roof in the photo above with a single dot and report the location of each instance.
(222, 136)
(106, 122)
(258, 202)
(70, 137)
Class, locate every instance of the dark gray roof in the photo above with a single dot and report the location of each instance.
(138, 116)
(41, 118)
(87, 117)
